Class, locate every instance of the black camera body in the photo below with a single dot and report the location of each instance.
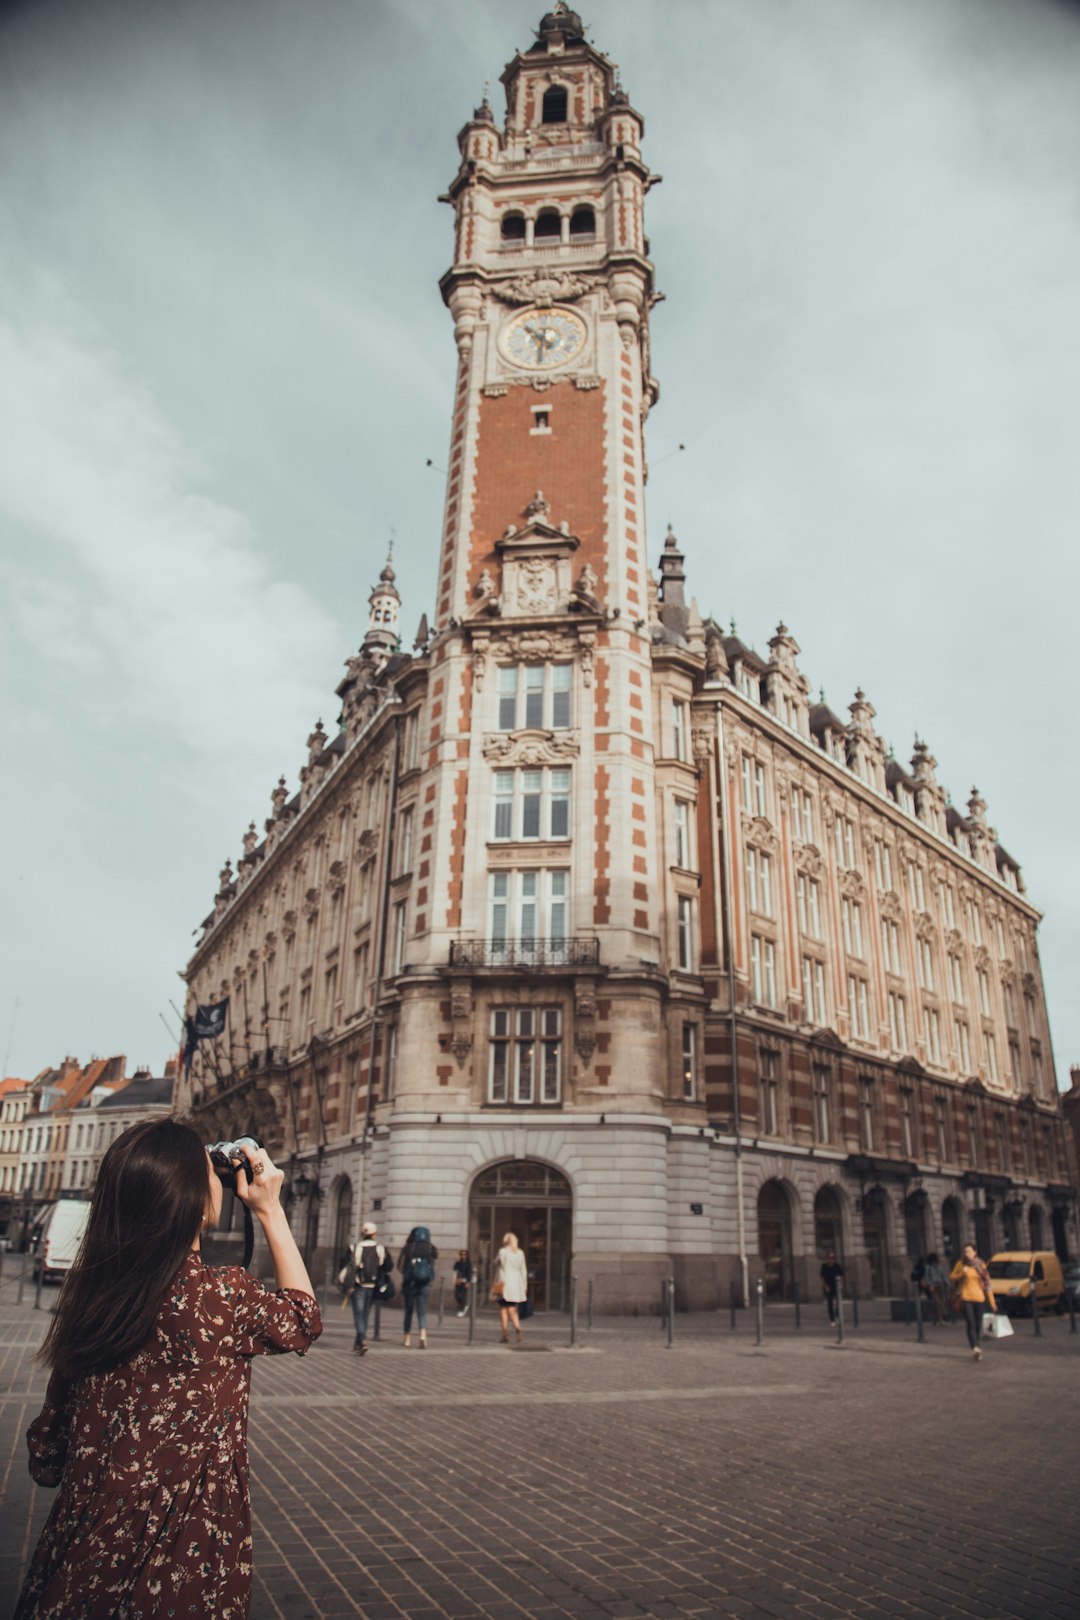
(223, 1155)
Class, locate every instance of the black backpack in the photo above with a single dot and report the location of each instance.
(370, 1266)
(421, 1269)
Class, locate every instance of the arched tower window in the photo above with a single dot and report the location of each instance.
(555, 105)
(548, 226)
(582, 225)
(513, 228)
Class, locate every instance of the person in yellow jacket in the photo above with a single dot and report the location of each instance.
(971, 1280)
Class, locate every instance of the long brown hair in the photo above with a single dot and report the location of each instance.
(149, 1204)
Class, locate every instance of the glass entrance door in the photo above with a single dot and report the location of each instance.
(535, 1203)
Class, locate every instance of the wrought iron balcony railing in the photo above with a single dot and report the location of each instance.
(525, 953)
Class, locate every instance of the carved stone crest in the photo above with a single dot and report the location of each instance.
(366, 845)
(336, 876)
(852, 884)
(532, 747)
(759, 835)
(542, 287)
(311, 904)
(809, 859)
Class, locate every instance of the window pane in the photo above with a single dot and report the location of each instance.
(530, 807)
(507, 697)
(560, 696)
(534, 695)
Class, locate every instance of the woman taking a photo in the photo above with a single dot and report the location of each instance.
(971, 1279)
(510, 1285)
(144, 1426)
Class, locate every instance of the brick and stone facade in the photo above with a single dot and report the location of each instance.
(586, 921)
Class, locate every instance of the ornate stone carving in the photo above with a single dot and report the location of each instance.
(852, 884)
(461, 1012)
(891, 906)
(760, 835)
(542, 287)
(585, 1023)
(366, 845)
(924, 926)
(288, 925)
(536, 585)
(531, 747)
(336, 876)
(809, 859)
(311, 904)
(703, 742)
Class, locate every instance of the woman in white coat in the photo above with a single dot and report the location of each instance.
(510, 1285)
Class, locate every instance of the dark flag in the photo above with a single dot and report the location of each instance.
(204, 1024)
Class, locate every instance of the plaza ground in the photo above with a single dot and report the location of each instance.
(623, 1478)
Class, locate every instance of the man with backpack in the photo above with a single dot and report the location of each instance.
(371, 1266)
(416, 1262)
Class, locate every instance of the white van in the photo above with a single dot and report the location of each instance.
(57, 1237)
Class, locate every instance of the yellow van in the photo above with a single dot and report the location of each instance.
(1015, 1272)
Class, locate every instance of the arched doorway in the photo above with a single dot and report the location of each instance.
(828, 1224)
(952, 1228)
(917, 1225)
(343, 1199)
(774, 1240)
(1061, 1233)
(1013, 1217)
(537, 1204)
(1035, 1226)
(876, 1234)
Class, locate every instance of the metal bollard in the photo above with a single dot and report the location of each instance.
(40, 1285)
(330, 1274)
(854, 1305)
(798, 1308)
(589, 1306)
(573, 1312)
(670, 1312)
(1070, 1300)
(472, 1311)
(839, 1310)
(377, 1334)
(733, 1298)
(759, 1307)
(442, 1298)
(1035, 1317)
(919, 1333)
(663, 1307)
(22, 1280)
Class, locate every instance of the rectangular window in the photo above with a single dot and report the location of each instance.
(991, 1057)
(999, 935)
(682, 834)
(859, 1003)
(983, 985)
(845, 841)
(1009, 997)
(956, 978)
(926, 964)
(916, 887)
(763, 970)
(808, 896)
(685, 927)
(678, 729)
(528, 912)
(689, 1063)
(932, 1032)
(852, 917)
(531, 804)
(963, 1046)
(534, 696)
(399, 936)
(391, 1062)
(410, 749)
(907, 1123)
(883, 864)
(941, 1130)
(947, 905)
(898, 1021)
(974, 922)
(405, 841)
(525, 1055)
(890, 946)
(866, 1114)
(759, 882)
(746, 779)
(759, 789)
(814, 990)
(822, 1105)
(769, 1100)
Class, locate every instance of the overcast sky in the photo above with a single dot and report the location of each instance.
(224, 363)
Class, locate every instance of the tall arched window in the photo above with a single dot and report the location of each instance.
(582, 225)
(548, 226)
(513, 228)
(555, 105)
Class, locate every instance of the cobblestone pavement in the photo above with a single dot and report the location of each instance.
(623, 1478)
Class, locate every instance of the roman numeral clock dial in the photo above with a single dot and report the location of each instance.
(541, 339)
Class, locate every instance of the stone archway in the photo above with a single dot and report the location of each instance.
(828, 1223)
(917, 1225)
(953, 1222)
(775, 1240)
(876, 1237)
(536, 1202)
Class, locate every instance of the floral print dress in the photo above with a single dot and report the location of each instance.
(154, 1516)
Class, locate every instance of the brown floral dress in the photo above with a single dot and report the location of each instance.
(153, 1517)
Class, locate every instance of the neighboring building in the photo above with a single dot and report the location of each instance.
(96, 1122)
(1070, 1103)
(14, 1095)
(586, 921)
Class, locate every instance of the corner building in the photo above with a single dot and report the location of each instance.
(557, 933)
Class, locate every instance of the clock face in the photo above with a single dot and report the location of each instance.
(543, 338)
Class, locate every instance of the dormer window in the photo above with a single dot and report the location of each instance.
(582, 225)
(513, 229)
(548, 226)
(556, 105)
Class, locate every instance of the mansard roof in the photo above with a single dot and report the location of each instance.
(734, 648)
(142, 1092)
(822, 719)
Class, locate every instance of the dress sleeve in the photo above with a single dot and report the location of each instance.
(269, 1321)
(47, 1437)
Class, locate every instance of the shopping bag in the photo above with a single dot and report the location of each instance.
(997, 1327)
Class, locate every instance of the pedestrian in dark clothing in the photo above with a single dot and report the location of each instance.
(416, 1262)
(463, 1274)
(369, 1263)
(831, 1273)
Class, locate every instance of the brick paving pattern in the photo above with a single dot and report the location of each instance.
(624, 1479)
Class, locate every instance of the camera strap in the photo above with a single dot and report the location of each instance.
(249, 1238)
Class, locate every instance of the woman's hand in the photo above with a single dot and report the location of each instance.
(260, 1189)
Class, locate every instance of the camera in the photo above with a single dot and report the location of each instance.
(222, 1155)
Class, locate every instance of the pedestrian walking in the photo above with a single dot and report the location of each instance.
(936, 1288)
(831, 1273)
(370, 1266)
(971, 1279)
(463, 1275)
(144, 1427)
(416, 1262)
(510, 1285)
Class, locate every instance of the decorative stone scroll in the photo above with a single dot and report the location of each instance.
(760, 835)
(585, 1023)
(809, 859)
(542, 287)
(852, 884)
(531, 748)
(461, 1012)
